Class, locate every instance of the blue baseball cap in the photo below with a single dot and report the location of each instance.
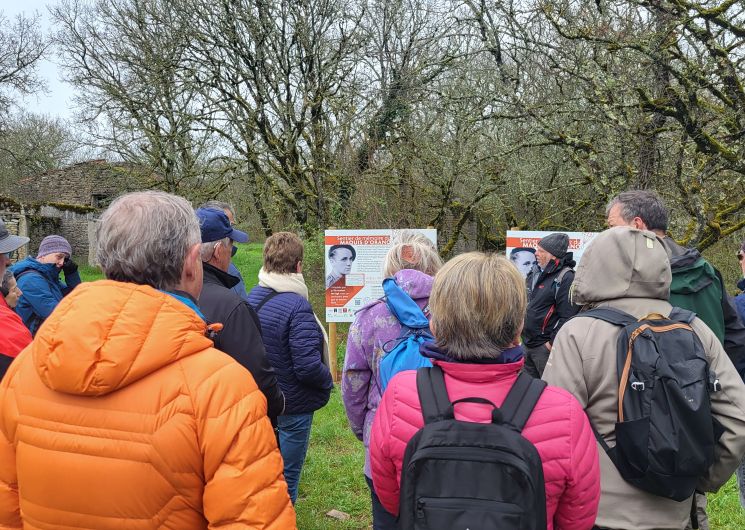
(214, 225)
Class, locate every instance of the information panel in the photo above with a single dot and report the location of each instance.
(521, 246)
(354, 268)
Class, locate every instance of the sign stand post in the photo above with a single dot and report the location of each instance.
(333, 340)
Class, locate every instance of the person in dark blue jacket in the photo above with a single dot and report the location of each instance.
(296, 346)
(38, 278)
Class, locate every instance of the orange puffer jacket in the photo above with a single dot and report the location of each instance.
(121, 415)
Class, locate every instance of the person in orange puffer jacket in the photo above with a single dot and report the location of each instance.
(121, 414)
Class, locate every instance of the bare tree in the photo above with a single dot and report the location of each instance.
(32, 144)
(271, 71)
(22, 45)
(137, 94)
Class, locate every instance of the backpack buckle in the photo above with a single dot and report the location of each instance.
(637, 385)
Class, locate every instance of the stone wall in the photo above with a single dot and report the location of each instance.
(67, 202)
(88, 184)
(37, 222)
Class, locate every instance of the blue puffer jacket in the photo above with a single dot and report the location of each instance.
(294, 346)
(42, 290)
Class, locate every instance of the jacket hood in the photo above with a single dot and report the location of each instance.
(49, 270)
(622, 262)
(435, 353)
(106, 335)
(680, 257)
(556, 264)
(415, 283)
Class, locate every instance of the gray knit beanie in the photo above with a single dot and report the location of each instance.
(556, 244)
(52, 244)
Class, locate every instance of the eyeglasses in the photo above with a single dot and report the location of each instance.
(13, 254)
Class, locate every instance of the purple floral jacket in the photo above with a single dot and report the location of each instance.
(374, 326)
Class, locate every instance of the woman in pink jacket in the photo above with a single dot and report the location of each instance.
(478, 305)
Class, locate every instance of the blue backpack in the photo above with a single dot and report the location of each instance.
(404, 355)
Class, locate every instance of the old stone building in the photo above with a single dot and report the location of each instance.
(67, 202)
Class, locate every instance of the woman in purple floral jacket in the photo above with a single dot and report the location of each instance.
(413, 260)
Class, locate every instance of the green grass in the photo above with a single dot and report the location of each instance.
(332, 477)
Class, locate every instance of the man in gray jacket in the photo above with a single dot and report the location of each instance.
(629, 269)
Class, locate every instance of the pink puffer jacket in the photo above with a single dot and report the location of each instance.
(558, 428)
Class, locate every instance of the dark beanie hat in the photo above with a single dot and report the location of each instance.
(555, 244)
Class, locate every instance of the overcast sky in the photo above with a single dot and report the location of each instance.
(57, 100)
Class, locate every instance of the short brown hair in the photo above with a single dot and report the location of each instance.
(478, 305)
(282, 252)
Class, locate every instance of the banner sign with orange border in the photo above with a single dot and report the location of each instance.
(354, 269)
(521, 246)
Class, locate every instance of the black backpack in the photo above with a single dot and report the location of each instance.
(665, 433)
(463, 475)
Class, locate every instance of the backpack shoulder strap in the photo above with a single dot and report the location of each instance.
(610, 315)
(433, 395)
(521, 400)
(560, 278)
(678, 314)
(401, 305)
(264, 300)
(563, 272)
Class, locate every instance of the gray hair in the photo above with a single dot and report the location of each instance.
(143, 238)
(218, 205)
(645, 204)
(412, 250)
(5, 286)
(207, 249)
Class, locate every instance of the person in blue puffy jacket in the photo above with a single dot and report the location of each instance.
(39, 280)
(296, 346)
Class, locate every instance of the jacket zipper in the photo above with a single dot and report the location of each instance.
(548, 316)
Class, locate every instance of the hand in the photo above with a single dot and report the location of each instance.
(548, 346)
(69, 267)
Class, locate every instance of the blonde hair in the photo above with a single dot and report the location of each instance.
(478, 304)
(412, 250)
(282, 252)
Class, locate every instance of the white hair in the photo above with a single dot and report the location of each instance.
(143, 238)
(412, 250)
(218, 205)
(206, 250)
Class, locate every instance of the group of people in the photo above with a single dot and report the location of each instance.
(490, 324)
(31, 289)
(133, 405)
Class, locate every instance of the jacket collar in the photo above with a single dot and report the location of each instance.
(508, 356)
(49, 270)
(188, 300)
(214, 275)
(557, 264)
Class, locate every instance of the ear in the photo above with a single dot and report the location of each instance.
(518, 338)
(191, 262)
(299, 267)
(639, 224)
